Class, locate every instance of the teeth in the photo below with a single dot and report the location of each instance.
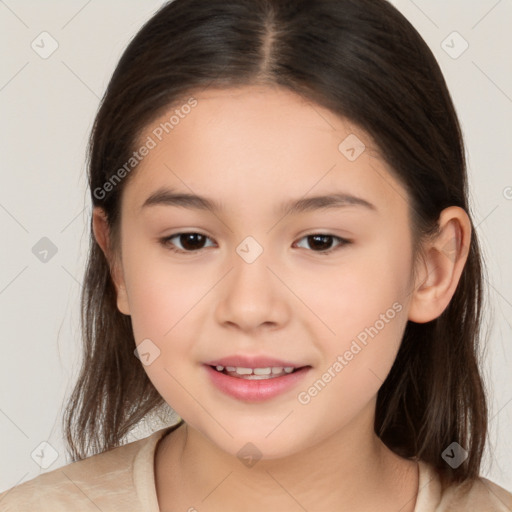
(243, 371)
(256, 372)
(262, 371)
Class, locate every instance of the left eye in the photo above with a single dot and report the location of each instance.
(193, 242)
(324, 242)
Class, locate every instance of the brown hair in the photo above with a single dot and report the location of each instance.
(364, 61)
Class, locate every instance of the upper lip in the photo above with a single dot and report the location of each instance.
(246, 361)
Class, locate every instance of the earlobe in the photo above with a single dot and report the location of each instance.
(122, 300)
(442, 265)
(101, 234)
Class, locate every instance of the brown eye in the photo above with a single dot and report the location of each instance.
(186, 242)
(323, 243)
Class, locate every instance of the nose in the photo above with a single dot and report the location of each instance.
(252, 298)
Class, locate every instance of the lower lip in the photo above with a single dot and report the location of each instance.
(255, 390)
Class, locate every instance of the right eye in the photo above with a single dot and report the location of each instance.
(190, 242)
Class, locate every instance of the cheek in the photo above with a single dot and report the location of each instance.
(366, 285)
(162, 295)
(364, 303)
(163, 305)
(353, 371)
(166, 304)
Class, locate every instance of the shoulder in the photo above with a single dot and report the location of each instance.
(95, 483)
(478, 495)
(470, 496)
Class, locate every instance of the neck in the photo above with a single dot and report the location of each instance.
(350, 470)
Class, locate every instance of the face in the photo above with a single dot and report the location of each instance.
(322, 288)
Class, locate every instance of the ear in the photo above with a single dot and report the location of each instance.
(441, 267)
(102, 235)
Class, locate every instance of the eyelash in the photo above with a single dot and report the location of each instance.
(166, 242)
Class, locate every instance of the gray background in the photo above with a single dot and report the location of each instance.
(48, 105)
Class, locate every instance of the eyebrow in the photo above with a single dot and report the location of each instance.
(169, 197)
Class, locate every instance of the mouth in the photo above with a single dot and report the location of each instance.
(255, 383)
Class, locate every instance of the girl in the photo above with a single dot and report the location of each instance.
(283, 253)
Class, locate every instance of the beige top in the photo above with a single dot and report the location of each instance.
(122, 480)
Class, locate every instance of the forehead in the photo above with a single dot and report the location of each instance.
(264, 142)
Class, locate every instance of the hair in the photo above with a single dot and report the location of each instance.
(366, 63)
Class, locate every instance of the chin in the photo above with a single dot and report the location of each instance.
(256, 438)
